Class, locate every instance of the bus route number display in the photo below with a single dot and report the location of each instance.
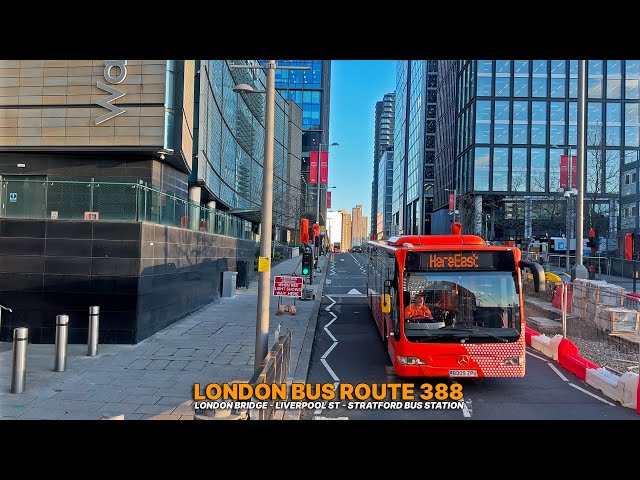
(460, 260)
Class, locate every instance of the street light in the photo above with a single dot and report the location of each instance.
(264, 277)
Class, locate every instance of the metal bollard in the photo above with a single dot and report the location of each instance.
(19, 373)
(92, 342)
(62, 325)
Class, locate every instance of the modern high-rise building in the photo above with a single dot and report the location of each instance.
(334, 227)
(310, 89)
(385, 192)
(364, 233)
(131, 185)
(356, 225)
(414, 145)
(513, 121)
(346, 230)
(382, 141)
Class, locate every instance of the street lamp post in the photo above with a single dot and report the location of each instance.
(579, 270)
(264, 277)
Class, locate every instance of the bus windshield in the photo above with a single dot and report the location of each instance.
(476, 307)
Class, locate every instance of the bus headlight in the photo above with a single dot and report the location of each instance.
(410, 360)
(512, 361)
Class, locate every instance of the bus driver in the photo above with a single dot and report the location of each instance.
(417, 309)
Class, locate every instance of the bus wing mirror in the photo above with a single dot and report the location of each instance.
(539, 280)
(386, 303)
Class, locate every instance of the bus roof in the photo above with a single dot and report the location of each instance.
(415, 240)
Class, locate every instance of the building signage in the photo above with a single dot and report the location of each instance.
(115, 71)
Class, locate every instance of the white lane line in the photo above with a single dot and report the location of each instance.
(537, 356)
(331, 372)
(329, 307)
(593, 395)
(554, 368)
(465, 410)
(326, 354)
(330, 334)
(329, 418)
(334, 317)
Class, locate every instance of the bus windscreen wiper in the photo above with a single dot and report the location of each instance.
(480, 332)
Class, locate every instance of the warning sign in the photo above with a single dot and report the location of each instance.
(286, 286)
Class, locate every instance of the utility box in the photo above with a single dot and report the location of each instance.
(229, 283)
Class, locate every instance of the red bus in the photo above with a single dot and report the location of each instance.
(474, 323)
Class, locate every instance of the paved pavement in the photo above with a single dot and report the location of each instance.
(154, 378)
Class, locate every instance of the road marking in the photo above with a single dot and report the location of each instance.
(328, 281)
(326, 354)
(329, 307)
(330, 334)
(534, 355)
(354, 291)
(553, 367)
(329, 418)
(331, 372)
(465, 409)
(593, 395)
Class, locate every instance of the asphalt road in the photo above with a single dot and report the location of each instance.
(348, 349)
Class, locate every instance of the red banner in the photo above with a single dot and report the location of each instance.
(328, 200)
(564, 171)
(313, 168)
(451, 202)
(324, 167)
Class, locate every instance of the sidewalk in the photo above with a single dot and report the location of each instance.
(154, 379)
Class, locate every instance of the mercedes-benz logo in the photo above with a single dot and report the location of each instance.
(463, 360)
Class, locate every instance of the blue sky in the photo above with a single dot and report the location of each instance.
(356, 86)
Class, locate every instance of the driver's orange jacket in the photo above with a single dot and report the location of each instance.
(414, 310)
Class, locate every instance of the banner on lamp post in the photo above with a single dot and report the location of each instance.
(313, 168)
(324, 167)
(564, 171)
(328, 200)
(451, 202)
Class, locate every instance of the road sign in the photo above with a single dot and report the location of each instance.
(13, 197)
(263, 264)
(287, 286)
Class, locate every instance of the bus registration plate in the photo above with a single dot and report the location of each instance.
(463, 373)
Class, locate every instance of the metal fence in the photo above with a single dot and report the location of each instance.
(98, 200)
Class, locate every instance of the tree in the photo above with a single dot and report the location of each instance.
(601, 178)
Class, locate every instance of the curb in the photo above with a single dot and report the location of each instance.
(623, 389)
(302, 367)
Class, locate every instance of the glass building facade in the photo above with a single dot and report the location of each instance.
(414, 145)
(383, 141)
(515, 118)
(385, 193)
(231, 144)
(310, 90)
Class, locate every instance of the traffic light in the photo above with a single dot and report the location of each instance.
(304, 230)
(307, 263)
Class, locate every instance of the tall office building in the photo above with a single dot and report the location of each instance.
(382, 141)
(131, 185)
(334, 227)
(356, 225)
(385, 192)
(364, 233)
(346, 231)
(514, 120)
(310, 89)
(414, 145)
